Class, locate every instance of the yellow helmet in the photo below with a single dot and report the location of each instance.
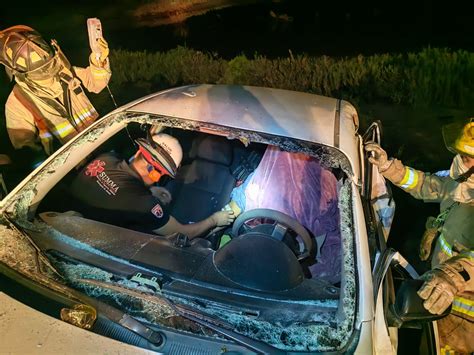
(459, 138)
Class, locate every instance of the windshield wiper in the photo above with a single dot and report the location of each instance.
(194, 315)
(212, 323)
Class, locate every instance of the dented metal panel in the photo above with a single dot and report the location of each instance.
(277, 112)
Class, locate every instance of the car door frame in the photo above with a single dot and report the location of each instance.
(384, 259)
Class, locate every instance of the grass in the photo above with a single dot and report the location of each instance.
(437, 76)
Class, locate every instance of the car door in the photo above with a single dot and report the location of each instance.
(389, 267)
(390, 335)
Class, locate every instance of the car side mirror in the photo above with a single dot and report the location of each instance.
(408, 310)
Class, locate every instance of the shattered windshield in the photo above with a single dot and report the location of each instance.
(264, 280)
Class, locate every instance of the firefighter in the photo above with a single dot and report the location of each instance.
(48, 106)
(449, 238)
(114, 191)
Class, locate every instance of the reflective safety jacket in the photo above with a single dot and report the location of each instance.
(455, 235)
(32, 114)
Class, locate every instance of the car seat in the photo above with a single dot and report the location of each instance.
(204, 185)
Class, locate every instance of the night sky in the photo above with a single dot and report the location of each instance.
(331, 27)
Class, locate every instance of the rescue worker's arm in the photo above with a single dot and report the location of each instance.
(97, 75)
(218, 219)
(20, 125)
(446, 281)
(415, 182)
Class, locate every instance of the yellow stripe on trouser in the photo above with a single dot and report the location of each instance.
(410, 180)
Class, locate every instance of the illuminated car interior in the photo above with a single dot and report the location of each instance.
(286, 275)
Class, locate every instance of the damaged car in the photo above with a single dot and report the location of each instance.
(304, 267)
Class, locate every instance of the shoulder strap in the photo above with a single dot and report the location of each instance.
(26, 101)
(442, 216)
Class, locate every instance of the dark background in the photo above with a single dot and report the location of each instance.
(333, 28)
(336, 28)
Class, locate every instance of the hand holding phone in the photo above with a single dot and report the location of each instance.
(94, 29)
(99, 47)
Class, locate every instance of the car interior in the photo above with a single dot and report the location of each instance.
(268, 257)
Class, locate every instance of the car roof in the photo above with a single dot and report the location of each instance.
(299, 115)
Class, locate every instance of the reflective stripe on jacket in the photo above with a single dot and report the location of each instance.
(30, 115)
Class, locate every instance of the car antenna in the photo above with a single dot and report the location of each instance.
(112, 96)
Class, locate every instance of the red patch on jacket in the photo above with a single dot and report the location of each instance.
(95, 168)
(157, 211)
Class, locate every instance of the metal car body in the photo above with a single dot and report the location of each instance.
(358, 320)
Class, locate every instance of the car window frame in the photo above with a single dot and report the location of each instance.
(376, 238)
(384, 291)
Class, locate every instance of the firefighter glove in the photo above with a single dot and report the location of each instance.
(431, 232)
(378, 156)
(441, 285)
(99, 58)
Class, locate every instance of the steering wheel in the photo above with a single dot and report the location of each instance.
(282, 224)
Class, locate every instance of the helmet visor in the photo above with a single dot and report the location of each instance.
(49, 69)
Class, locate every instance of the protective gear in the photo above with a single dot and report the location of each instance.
(378, 157)
(30, 114)
(448, 330)
(430, 234)
(223, 218)
(24, 50)
(100, 58)
(446, 284)
(464, 192)
(48, 100)
(459, 138)
(457, 168)
(162, 151)
(442, 283)
(155, 175)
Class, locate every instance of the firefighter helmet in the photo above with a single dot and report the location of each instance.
(162, 151)
(23, 50)
(459, 138)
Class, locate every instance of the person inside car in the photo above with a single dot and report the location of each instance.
(117, 192)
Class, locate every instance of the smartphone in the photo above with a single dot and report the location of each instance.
(94, 29)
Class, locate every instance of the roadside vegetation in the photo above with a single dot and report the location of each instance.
(433, 76)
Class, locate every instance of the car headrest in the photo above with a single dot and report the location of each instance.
(212, 148)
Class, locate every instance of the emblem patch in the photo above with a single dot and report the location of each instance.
(157, 211)
(95, 168)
